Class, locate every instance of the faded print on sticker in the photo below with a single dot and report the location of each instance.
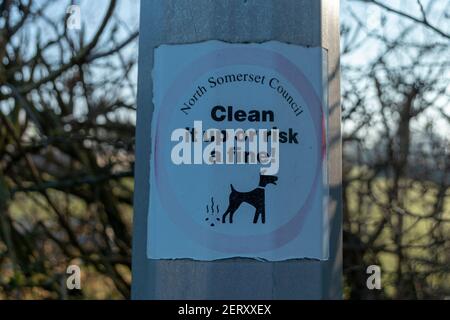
(238, 163)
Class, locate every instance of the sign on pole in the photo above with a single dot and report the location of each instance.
(238, 150)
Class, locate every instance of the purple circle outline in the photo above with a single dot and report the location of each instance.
(217, 59)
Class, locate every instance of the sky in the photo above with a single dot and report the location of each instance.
(373, 18)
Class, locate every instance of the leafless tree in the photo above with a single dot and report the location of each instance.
(66, 149)
(397, 155)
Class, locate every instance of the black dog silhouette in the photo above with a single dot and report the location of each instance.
(256, 198)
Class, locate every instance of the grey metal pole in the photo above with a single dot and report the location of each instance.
(303, 22)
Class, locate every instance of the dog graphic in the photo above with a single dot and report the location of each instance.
(256, 198)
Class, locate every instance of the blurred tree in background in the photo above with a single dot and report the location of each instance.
(67, 104)
(396, 121)
(67, 108)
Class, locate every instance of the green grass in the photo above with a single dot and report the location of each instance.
(365, 215)
(418, 199)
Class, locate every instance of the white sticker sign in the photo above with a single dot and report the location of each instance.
(239, 152)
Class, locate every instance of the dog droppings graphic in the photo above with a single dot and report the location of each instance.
(212, 210)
